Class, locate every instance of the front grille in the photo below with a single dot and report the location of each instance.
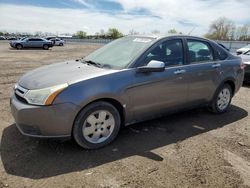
(21, 99)
(20, 92)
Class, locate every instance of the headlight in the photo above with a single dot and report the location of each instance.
(44, 96)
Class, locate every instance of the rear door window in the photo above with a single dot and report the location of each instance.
(220, 53)
(199, 51)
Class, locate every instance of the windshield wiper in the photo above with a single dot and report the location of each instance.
(93, 63)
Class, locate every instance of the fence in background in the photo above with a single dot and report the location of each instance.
(234, 45)
(99, 41)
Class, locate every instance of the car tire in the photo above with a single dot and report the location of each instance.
(96, 125)
(19, 46)
(222, 99)
(45, 47)
(61, 44)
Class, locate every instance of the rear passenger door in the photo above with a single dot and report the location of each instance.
(29, 43)
(203, 71)
(38, 43)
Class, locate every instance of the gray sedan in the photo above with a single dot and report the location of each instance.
(31, 43)
(132, 79)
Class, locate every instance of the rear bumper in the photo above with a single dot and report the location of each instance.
(53, 121)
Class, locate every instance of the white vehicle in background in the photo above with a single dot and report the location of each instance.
(57, 42)
(243, 50)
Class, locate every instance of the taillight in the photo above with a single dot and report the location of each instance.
(242, 65)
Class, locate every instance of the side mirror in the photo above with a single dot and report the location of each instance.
(152, 66)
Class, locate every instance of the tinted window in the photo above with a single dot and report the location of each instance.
(170, 52)
(199, 51)
(35, 39)
(247, 53)
(220, 53)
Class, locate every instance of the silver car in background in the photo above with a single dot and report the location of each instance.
(246, 60)
(129, 80)
(57, 42)
(31, 43)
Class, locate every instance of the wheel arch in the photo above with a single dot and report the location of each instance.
(117, 104)
(231, 82)
(18, 44)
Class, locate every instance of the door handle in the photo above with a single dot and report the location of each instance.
(179, 71)
(216, 65)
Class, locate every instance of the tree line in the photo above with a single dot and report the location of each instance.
(220, 29)
(225, 29)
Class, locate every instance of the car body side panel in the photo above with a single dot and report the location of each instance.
(155, 93)
(110, 86)
(231, 71)
(203, 82)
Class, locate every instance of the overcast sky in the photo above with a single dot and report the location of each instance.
(69, 16)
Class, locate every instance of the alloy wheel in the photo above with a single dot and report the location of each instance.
(98, 126)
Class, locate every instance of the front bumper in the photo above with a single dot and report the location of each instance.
(12, 45)
(43, 121)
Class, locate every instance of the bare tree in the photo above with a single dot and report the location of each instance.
(172, 31)
(221, 29)
(155, 31)
(133, 32)
(243, 32)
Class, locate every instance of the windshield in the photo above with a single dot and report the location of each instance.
(247, 53)
(119, 53)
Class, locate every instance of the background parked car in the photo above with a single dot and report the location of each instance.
(57, 42)
(243, 50)
(12, 38)
(31, 43)
(246, 60)
(2, 38)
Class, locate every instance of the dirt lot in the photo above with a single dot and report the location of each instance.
(189, 149)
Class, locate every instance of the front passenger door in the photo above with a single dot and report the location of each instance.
(155, 93)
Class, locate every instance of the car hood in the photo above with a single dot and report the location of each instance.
(15, 41)
(61, 73)
(242, 49)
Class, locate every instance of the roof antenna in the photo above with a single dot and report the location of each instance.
(191, 31)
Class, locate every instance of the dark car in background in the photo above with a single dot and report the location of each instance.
(246, 60)
(33, 42)
(132, 79)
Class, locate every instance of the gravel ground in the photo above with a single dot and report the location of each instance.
(188, 149)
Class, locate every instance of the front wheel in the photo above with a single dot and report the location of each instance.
(96, 125)
(45, 47)
(222, 99)
(19, 46)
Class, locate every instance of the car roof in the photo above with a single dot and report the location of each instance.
(162, 36)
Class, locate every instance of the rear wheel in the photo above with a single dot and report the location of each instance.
(97, 125)
(222, 99)
(61, 44)
(19, 46)
(45, 47)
